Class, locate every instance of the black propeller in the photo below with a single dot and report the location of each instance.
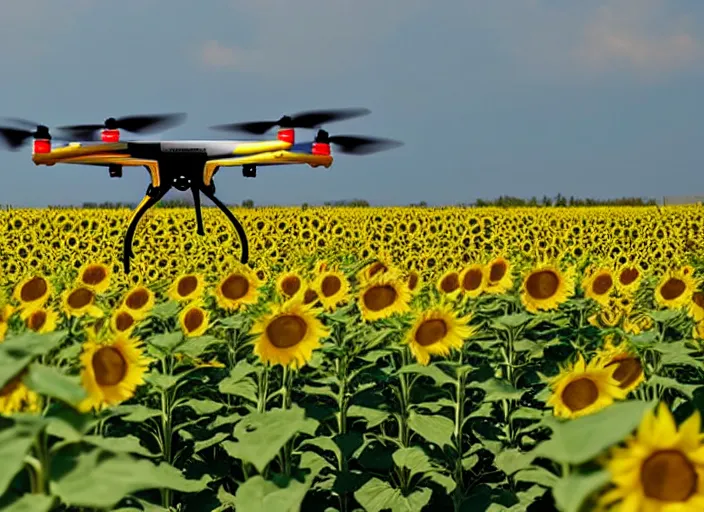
(357, 144)
(132, 124)
(311, 119)
(15, 138)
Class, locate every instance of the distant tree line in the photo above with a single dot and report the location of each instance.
(501, 201)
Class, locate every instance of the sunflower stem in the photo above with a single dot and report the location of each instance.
(286, 384)
(459, 421)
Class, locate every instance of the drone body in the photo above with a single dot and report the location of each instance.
(190, 164)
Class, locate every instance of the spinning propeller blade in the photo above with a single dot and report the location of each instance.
(132, 124)
(357, 144)
(310, 119)
(14, 138)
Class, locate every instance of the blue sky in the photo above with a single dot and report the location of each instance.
(517, 97)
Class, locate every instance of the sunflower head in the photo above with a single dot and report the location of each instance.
(627, 366)
(288, 335)
(16, 397)
(696, 306)
(186, 287)
(448, 284)
(414, 282)
(193, 319)
(581, 389)
(122, 321)
(628, 277)
(138, 301)
(473, 280)
(95, 276)
(675, 289)
(383, 296)
(499, 275)
(41, 319)
(32, 291)
(290, 283)
(238, 288)
(111, 370)
(658, 468)
(436, 331)
(331, 287)
(545, 287)
(80, 301)
(599, 285)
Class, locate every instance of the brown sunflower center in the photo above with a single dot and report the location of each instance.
(497, 271)
(80, 298)
(290, 285)
(235, 287)
(379, 297)
(109, 366)
(286, 331)
(580, 394)
(330, 286)
(193, 319)
(376, 268)
(668, 475)
(34, 289)
(123, 321)
(310, 296)
(450, 283)
(698, 299)
(628, 275)
(673, 288)
(543, 284)
(37, 320)
(431, 331)
(187, 285)
(472, 280)
(602, 284)
(412, 281)
(627, 371)
(94, 274)
(137, 299)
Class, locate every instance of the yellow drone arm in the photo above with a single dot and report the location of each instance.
(270, 157)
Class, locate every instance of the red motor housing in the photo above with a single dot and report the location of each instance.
(321, 148)
(110, 135)
(41, 146)
(286, 135)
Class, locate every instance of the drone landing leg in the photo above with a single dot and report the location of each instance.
(153, 196)
(196, 205)
(209, 192)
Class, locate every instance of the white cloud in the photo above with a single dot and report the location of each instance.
(640, 35)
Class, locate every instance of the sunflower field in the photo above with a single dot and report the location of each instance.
(365, 359)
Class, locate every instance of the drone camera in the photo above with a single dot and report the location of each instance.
(249, 171)
(115, 170)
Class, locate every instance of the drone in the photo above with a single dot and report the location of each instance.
(189, 164)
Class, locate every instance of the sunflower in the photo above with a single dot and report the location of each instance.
(290, 283)
(193, 320)
(546, 287)
(41, 319)
(122, 321)
(79, 302)
(675, 289)
(32, 292)
(449, 284)
(382, 265)
(499, 276)
(628, 278)
(288, 335)
(186, 287)
(332, 288)
(238, 288)
(473, 280)
(138, 301)
(414, 282)
(383, 296)
(15, 397)
(660, 467)
(95, 276)
(111, 371)
(436, 331)
(598, 285)
(628, 367)
(696, 307)
(698, 330)
(6, 312)
(582, 389)
(637, 323)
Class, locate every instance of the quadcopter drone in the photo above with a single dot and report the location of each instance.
(189, 164)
